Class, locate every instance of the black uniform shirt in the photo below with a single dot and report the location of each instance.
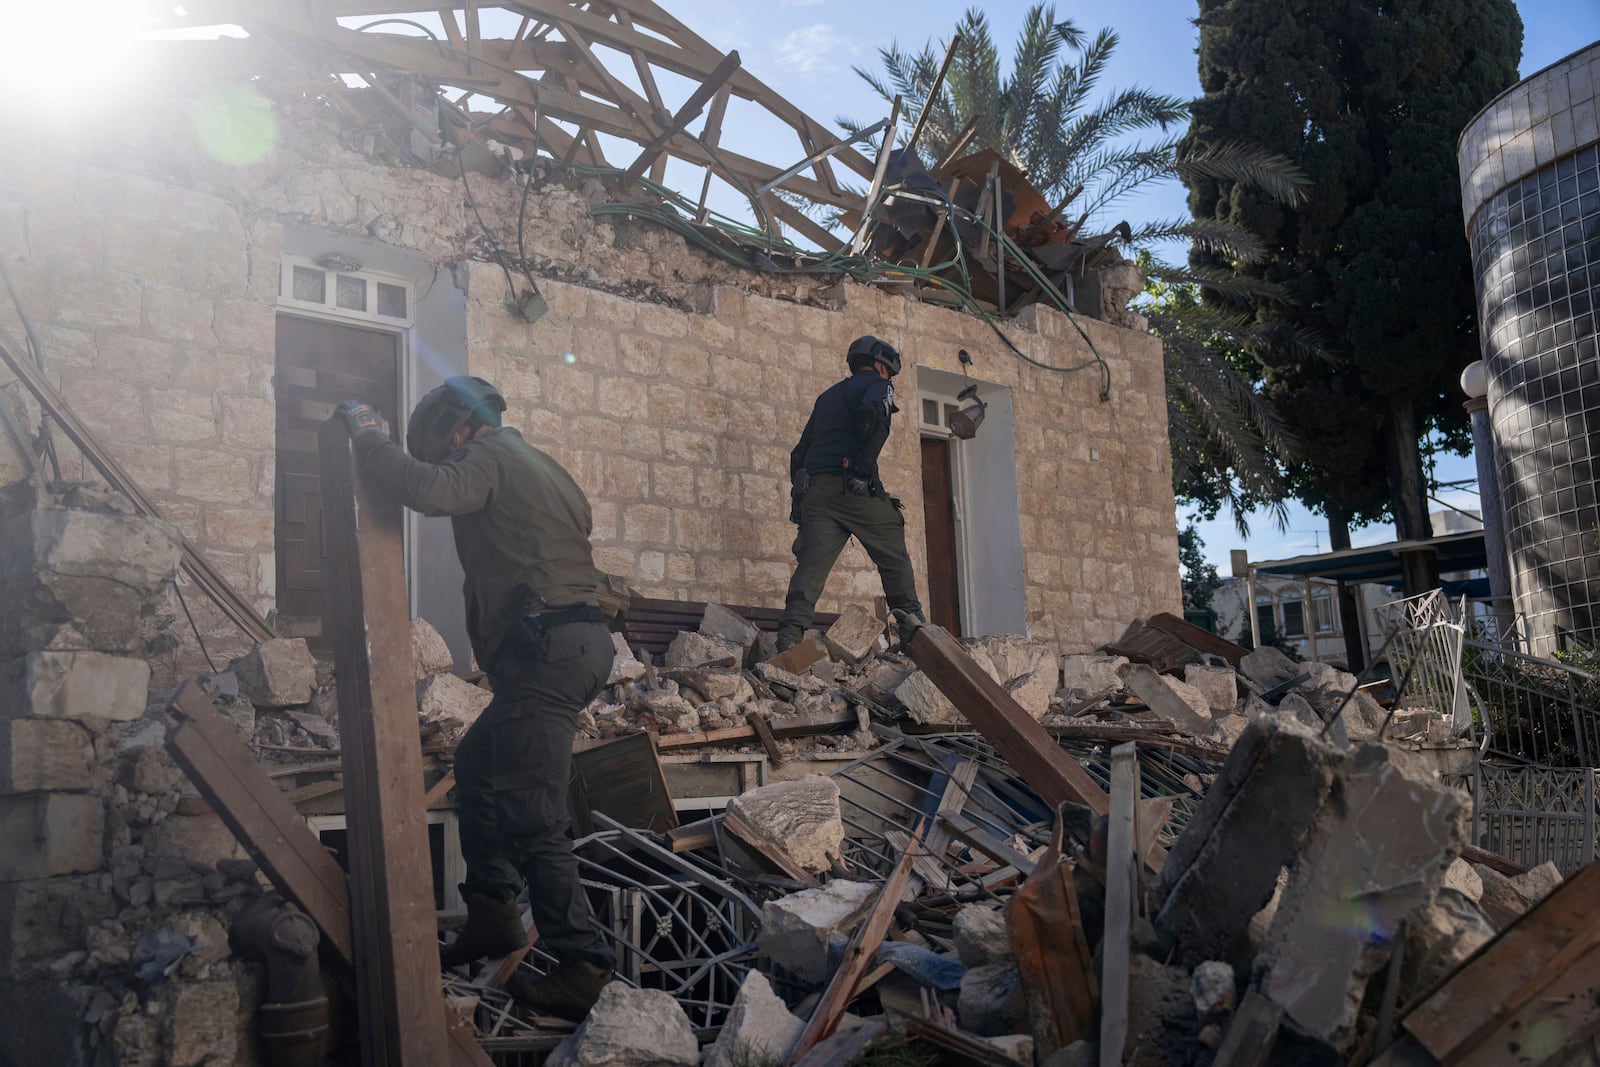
(847, 428)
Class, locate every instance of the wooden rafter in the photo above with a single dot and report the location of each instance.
(558, 67)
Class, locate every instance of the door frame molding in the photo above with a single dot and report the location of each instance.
(965, 588)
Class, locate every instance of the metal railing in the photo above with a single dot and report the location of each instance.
(1531, 815)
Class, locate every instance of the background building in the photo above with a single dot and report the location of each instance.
(1530, 184)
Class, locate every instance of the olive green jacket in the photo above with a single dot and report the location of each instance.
(518, 516)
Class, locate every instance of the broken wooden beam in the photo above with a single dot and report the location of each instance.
(857, 955)
(394, 933)
(686, 114)
(1015, 734)
(263, 820)
(1122, 903)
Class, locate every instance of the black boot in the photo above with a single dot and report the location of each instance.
(494, 928)
(569, 991)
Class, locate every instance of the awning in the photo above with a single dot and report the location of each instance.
(1381, 563)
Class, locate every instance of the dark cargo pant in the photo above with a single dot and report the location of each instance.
(513, 770)
(829, 516)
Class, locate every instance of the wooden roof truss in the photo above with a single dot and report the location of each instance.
(551, 78)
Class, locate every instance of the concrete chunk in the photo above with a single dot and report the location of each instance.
(1014, 655)
(696, 650)
(625, 666)
(44, 754)
(985, 993)
(91, 686)
(1219, 685)
(278, 673)
(759, 1027)
(1464, 880)
(630, 1028)
(795, 928)
(46, 834)
(801, 817)
(444, 696)
(1084, 676)
(429, 653)
(1375, 857)
(1440, 938)
(1213, 988)
(721, 623)
(1224, 867)
(1169, 699)
(1033, 692)
(854, 635)
(1267, 666)
(923, 701)
(980, 935)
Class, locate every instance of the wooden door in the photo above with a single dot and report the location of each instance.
(318, 365)
(939, 520)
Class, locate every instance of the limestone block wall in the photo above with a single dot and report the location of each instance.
(151, 270)
(113, 912)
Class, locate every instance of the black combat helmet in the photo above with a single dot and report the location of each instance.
(460, 401)
(865, 351)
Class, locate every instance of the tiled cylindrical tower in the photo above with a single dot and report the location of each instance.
(1530, 185)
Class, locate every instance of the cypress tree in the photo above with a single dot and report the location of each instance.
(1369, 98)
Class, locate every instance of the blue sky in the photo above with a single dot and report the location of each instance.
(805, 49)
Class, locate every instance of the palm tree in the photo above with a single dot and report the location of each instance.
(1043, 119)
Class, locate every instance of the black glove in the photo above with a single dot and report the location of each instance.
(358, 416)
(857, 486)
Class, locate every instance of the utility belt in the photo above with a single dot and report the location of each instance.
(528, 638)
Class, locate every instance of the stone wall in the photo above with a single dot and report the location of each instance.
(113, 909)
(671, 383)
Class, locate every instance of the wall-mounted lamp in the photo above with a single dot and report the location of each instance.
(964, 423)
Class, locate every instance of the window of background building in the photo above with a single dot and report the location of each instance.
(1322, 612)
(1294, 618)
(1266, 625)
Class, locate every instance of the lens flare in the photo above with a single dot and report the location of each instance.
(235, 125)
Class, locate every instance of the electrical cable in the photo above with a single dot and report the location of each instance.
(198, 639)
(35, 350)
(494, 242)
(403, 22)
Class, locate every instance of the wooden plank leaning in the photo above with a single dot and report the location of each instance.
(858, 955)
(393, 926)
(1015, 734)
(1122, 903)
(260, 816)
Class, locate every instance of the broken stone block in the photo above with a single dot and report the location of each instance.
(795, 928)
(799, 657)
(719, 685)
(323, 732)
(1267, 666)
(759, 1027)
(1084, 676)
(204, 838)
(672, 711)
(1538, 883)
(719, 622)
(429, 653)
(1219, 685)
(630, 1028)
(625, 667)
(979, 654)
(923, 701)
(1375, 857)
(1227, 728)
(854, 635)
(985, 993)
(444, 696)
(1014, 655)
(278, 673)
(46, 834)
(1440, 938)
(1033, 692)
(91, 686)
(1017, 1046)
(1212, 988)
(1250, 824)
(1167, 698)
(204, 1022)
(152, 771)
(42, 919)
(980, 935)
(801, 817)
(1464, 880)
(41, 754)
(1298, 708)
(696, 650)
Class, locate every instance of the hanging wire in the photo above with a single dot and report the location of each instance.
(176, 588)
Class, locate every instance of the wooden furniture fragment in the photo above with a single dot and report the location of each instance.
(394, 933)
(1015, 734)
(858, 955)
(623, 778)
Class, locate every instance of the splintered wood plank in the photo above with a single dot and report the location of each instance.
(1526, 961)
(260, 816)
(769, 743)
(391, 875)
(1015, 734)
(858, 955)
(1122, 889)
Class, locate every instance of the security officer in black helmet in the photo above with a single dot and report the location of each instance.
(836, 492)
(522, 533)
